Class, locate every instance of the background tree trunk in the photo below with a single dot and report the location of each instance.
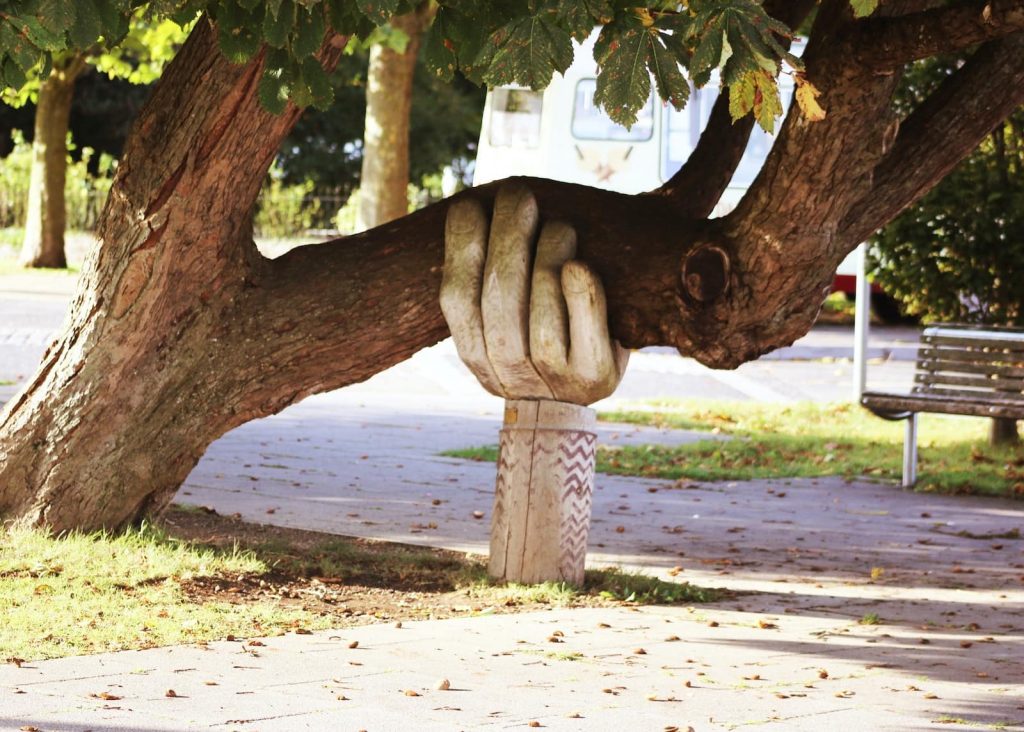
(383, 184)
(43, 245)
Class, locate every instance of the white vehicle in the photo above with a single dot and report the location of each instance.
(561, 134)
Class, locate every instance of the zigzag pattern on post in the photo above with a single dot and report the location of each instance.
(507, 452)
(577, 456)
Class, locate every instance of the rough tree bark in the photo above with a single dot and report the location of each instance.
(43, 245)
(181, 331)
(384, 180)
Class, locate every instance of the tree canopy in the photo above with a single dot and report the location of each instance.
(511, 42)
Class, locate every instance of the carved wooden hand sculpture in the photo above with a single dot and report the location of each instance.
(540, 339)
(526, 335)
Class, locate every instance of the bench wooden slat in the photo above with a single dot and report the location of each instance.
(959, 330)
(998, 396)
(965, 367)
(952, 359)
(946, 403)
(983, 383)
(1006, 342)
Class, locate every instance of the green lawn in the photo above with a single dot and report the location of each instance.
(9, 266)
(808, 440)
(167, 584)
(94, 593)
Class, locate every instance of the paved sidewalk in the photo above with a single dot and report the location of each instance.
(612, 670)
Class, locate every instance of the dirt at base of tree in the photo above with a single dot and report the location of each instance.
(353, 581)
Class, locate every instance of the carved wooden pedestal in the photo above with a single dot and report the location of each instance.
(543, 492)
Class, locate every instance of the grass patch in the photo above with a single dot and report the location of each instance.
(613, 585)
(99, 592)
(10, 266)
(870, 619)
(198, 576)
(808, 440)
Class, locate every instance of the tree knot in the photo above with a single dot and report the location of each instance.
(705, 273)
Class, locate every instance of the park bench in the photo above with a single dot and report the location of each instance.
(961, 369)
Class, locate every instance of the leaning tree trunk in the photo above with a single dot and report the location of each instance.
(180, 330)
(43, 245)
(384, 181)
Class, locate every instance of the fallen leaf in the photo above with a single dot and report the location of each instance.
(106, 696)
(171, 694)
(354, 644)
(411, 692)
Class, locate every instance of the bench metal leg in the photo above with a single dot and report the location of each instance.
(910, 452)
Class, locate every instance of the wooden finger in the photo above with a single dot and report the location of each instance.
(465, 239)
(549, 318)
(505, 301)
(596, 361)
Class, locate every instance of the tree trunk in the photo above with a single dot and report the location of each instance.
(43, 245)
(181, 331)
(384, 181)
(159, 355)
(1003, 431)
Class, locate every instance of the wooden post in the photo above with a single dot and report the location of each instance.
(543, 493)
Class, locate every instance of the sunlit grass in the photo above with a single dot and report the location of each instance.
(99, 592)
(92, 593)
(808, 440)
(10, 266)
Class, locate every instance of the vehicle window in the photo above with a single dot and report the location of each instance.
(589, 122)
(515, 117)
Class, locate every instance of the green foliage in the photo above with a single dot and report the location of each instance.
(512, 41)
(285, 210)
(84, 192)
(958, 254)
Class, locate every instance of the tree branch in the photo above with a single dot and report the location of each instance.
(941, 132)
(696, 187)
(887, 43)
